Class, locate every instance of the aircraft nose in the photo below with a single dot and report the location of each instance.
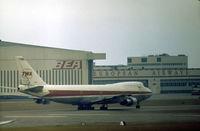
(148, 90)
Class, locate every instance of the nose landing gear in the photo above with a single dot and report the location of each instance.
(138, 105)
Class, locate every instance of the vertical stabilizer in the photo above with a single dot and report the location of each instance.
(28, 76)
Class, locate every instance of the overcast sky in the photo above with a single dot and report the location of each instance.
(120, 28)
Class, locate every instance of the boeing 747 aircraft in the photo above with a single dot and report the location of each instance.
(124, 93)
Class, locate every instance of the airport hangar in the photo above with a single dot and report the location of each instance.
(161, 73)
(55, 66)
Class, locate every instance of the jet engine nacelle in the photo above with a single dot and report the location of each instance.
(129, 101)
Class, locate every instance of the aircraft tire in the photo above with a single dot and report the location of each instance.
(38, 101)
(91, 108)
(137, 106)
(103, 108)
(85, 107)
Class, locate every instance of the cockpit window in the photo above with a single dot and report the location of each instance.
(140, 85)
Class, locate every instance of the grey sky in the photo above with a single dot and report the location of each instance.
(120, 28)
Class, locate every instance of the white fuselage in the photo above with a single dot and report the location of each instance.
(74, 94)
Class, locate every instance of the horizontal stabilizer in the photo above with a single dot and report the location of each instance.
(36, 89)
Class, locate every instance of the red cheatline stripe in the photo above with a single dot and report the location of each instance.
(85, 93)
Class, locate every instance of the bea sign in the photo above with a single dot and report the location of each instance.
(68, 64)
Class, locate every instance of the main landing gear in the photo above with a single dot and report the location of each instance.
(89, 107)
(85, 107)
(42, 101)
(104, 107)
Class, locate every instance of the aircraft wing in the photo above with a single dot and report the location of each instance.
(126, 100)
(115, 99)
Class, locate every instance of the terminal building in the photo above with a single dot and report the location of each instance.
(55, 66)
(161, 73)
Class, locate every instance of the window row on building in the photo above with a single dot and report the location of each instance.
(173, 84)
(11, 78)
(9, 81)
(179, 82)
(160, 64)
(61, 77)
(144, 59)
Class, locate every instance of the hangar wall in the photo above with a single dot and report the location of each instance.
(55, 66)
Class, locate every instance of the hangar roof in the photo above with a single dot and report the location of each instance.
(7, 44)
(89, 54)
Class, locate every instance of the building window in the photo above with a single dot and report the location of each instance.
(159, 60)
(56, 77)
(49, 76)
(1, 78)
(46, 76)
(65, 77)
(69, 77)
(129, 60)
(1, 82)
(144, 59)
(62, 77)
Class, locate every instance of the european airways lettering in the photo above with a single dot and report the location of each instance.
(132, 73)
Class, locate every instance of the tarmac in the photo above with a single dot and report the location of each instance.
(181, 108)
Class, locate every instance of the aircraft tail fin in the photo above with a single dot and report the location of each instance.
(28, 76)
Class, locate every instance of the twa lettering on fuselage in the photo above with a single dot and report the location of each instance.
(68, 64)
